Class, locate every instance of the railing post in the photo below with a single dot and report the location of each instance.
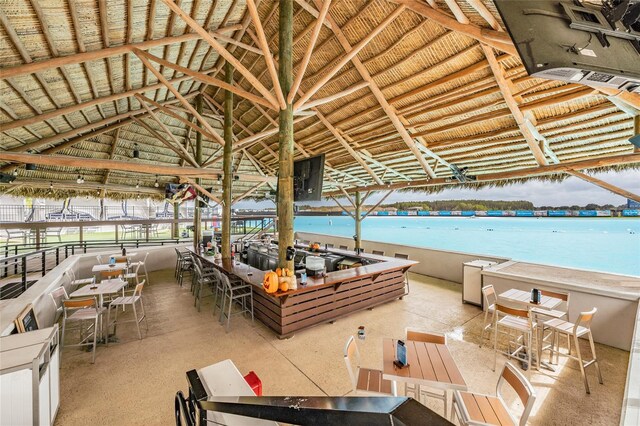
(81, 233)
(44, 263)
(57, 256)
(116, 233)
(24, 273)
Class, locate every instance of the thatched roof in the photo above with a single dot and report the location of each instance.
(440, 85)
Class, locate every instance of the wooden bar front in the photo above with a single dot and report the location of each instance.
(322, 299)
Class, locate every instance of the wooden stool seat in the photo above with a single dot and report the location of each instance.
(484, 409)
(565, 327)
(370, 380)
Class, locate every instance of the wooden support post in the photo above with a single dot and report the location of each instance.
(196, 204)
(227, 161)
(285, 160)
(358, 218)
(176, 225)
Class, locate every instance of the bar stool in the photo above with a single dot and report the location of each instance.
(238, 292)
(218, 295)
(203, 278)
(582, 327)
(78, 311)
(490, 299)
(136, 297)
(186, 267)
(520, 322)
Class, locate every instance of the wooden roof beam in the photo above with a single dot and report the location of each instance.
(127, 166)
(222, 52)
(387, 108)
(320, 20)
(268, 58)
(43, 65)
(112, 153)
(331, 98)
(518, 116)
(496, 39)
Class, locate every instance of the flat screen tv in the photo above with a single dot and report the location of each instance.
(579, 43)
(308, 175)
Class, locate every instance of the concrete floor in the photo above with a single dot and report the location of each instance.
(134, 381)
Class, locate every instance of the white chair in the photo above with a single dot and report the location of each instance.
(418, 391)
(364, 380)
(59, 295)
(477, 409)
(129, 276)
(78, 282)
(582, 327)
(490, 299)
(79, 311)
(518, 322)
(132, 300)
(99, 259)
(142, 263)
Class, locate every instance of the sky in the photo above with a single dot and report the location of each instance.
(572, 191)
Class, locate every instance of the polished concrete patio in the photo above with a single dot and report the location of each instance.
(134, 381)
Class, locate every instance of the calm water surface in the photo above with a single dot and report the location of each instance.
(602, 244)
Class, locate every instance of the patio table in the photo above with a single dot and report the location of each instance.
(429, 364)
(521, 297)
(103, 267)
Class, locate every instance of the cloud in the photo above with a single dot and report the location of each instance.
(573, 191)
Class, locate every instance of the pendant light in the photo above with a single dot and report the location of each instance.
(136, 151)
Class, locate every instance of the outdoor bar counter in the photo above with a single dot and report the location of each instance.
(323, 299)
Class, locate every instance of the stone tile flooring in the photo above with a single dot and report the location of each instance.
(134, 381)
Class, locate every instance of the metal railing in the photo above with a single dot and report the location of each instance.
(25, 267)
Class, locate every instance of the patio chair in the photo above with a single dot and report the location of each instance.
(477, 409)
(582, 327)
(143, 264)
(420, 392)
(74, 282)
(490, 299)
(79, 311)
(239, 292)
(100, 259)
(364, 381)
(59, 295)
(129, 276)
(519, 322)
(202, 279)
(124, 301)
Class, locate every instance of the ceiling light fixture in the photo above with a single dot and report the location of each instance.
(79, 179)
(156, 184)
(136, 151)
(51, 185)
(15, 172)
(137, 184)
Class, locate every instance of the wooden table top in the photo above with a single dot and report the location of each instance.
(430, 364)
(524, 298)
(105, 267)
(104, 287)
(255, 276)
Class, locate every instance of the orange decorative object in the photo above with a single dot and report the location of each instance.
(315, 246)
(284, 284)
(279, 272)
(270, 282)
(289, 273)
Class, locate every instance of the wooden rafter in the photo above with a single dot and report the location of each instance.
(112, 153)
(496, 39)
(307, 55)
(222, 51)
(331, 98)
(127, 166)
(518, 116)
(602, 184)
(248, 192)
(177, 94)
(351, 53)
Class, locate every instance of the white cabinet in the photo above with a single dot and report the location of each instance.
(29, 378)
(472, 281)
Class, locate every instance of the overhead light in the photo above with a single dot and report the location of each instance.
(79, 179)
(136, 152)
(236, 177)
(137, 184)
(156, 184)
(51, 185)
(15, 172)
(30, 166)
(219, 178)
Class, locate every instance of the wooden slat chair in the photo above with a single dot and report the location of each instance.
(582, 327)
(59, 295)
(100, 259)
(121, 259)
(490, 300)
(518, 321)
(80, 311)
(110, 274)
(540, 315)
(78, 282)
(406, 274)
(143, 264)
(364, 380)
(477, 409)
(418, 391)
(131, 300)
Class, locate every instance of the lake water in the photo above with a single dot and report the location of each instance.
(601, 244)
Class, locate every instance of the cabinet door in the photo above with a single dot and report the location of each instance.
(54, 378)
(43, 398)
(16, 403)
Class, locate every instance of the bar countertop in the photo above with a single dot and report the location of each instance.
(255, 276)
